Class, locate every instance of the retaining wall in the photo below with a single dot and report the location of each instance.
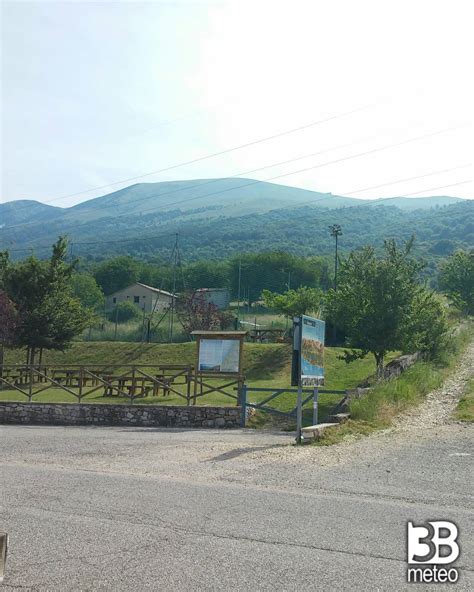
(118, 415)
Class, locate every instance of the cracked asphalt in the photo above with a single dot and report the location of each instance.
(148, 509)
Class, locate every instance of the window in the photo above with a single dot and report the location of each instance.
(136, 299)
(114, 300)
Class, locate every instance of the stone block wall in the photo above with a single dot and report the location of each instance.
(118, 415)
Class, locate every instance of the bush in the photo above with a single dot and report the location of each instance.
(123, 312)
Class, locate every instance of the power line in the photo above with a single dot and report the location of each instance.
(123, 240)
(361, 154)
(439, 187)
(215, 154)
(202, 184)
(254, 182)
(345, 193)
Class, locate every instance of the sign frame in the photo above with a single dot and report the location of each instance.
(221, 336)
(297, 377)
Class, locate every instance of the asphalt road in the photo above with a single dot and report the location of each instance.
(144, 509)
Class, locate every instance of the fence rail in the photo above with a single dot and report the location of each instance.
(131, 381)
(274, 393)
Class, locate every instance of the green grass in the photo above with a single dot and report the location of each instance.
(265, 366)
(377, 409)
(465, 408)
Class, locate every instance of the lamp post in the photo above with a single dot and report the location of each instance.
(335, 231)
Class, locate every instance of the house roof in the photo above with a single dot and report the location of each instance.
(151, 288)
(155, 289)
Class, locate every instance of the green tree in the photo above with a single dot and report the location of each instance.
(207, 274)
(48, 314)
(117, 273)
(275, 271)
(381, 305)
(295, 302)
(87, 291)
(456, 279)
(123, 312)
(8, 324)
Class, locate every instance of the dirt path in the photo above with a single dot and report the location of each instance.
(438, 407)
(432, 419)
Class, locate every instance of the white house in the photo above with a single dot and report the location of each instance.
(145, 297)
(218, 296)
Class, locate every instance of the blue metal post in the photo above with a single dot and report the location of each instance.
(243, 404)
(299, 413)
(315, 405)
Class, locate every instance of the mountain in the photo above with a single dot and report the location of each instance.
(216, 217)
(25, 210)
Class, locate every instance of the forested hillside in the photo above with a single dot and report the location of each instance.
(219, 218)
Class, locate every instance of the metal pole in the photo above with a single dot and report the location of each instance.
(238, 289)
(116, 321)
(175, 251)
(315, 405)
(299, 414)
(243, 405)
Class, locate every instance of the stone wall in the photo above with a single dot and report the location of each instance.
(119, 415)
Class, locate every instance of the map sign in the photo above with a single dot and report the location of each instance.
(312, 351)
(219, 355)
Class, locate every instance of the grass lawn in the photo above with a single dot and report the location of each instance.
(265, 366)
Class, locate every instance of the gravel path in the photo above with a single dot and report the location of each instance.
(437, 409)
(432, 419)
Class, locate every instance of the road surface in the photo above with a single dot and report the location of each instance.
(143, 509)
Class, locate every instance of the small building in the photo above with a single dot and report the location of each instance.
(145, 297)
(220, 297)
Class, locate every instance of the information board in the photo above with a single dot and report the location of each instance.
(312, 351)
(308, 351)
(219, 355)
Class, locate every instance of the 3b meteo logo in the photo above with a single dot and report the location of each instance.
(430, 546)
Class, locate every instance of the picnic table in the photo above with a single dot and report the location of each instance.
(266, 335)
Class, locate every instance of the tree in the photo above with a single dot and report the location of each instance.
(275, 271)
(8, 324)
(87, 291)
(197, 314)
(382, 306)
(123, 312)
(456, 279)
(207, 274)
(295, 302)
(117, 273)
(48, 314)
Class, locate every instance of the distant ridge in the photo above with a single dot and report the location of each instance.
(237, 213)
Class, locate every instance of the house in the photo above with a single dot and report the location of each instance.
(145, 297)
(220, 297)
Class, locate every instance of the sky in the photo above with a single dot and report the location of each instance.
(95, 94)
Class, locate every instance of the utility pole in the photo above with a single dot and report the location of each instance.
(336, 232)
(173, 295)
(238, 289)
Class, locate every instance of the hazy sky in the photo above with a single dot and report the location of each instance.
(98, 92)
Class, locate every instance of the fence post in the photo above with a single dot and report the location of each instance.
(243, 404)
(81, 382)
(30, 386)
(315, 405)
(299, 414)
